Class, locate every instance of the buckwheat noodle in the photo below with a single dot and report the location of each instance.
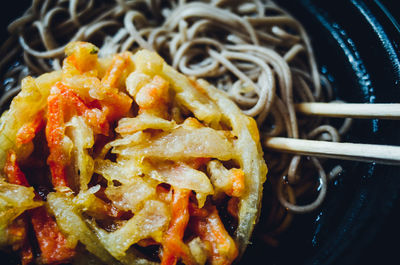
(253, 50)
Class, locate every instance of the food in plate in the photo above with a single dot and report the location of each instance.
(125, 160)
(255, 51)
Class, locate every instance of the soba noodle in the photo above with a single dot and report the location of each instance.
(253, 50)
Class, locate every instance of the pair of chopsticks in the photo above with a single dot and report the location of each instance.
(382, 154)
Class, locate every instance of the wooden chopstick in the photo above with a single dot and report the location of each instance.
(382, 154)
(390, 111)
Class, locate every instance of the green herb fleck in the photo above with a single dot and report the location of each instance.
(94, 50)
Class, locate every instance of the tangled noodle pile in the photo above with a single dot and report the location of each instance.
(253, 50)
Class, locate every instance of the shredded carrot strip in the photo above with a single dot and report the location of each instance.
(114, 72)
(19, 228)
(52, 242)
(211, 230)
(81, 56)
(29, 130)
(237, 182)
(55, 129)
(153, 97)
(157, 90)
(59, 105)
(95, 117)
(173, 247)
(13, 172)
(115, 105)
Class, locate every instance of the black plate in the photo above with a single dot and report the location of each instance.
(356, 46)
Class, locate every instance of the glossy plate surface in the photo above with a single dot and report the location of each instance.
(356, 45)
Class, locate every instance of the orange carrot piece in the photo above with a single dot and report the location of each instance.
(153, 94)
(211, 230)
(13, 172)
(114, 72)
(29, 130)
(237, 182)
(95, 117)
(55, 130)
(51, 241)
(53, 244)
(58, 172)
(59, 105)
(173, 247)
(115, 105)
(153, 97)
(19, 228)
(82, 56)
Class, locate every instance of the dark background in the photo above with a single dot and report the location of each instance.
(384, 247)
